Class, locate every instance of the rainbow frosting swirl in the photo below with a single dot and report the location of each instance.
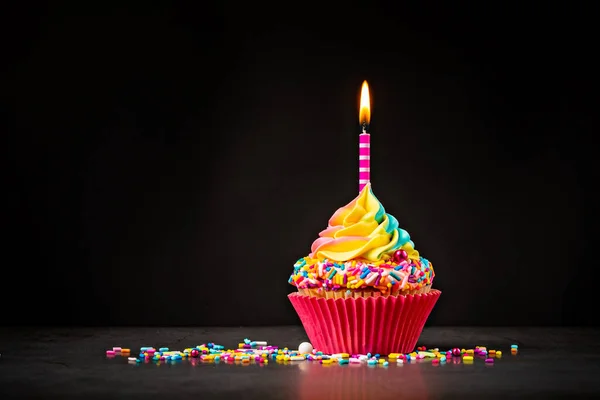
(362, 230)
(359, 251)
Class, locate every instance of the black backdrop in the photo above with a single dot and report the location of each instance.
(168, 166)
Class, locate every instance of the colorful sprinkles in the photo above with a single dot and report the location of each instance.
(399, 273)
(259, 352)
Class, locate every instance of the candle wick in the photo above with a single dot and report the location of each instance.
(364, 127)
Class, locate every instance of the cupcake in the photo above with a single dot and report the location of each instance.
(364, 288)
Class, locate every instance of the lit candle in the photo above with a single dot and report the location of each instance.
(364, 139)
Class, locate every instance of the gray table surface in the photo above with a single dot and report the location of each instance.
(71, 363)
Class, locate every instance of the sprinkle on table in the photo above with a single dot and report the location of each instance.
(260, 352)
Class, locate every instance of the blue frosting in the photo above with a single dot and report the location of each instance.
(403, 237)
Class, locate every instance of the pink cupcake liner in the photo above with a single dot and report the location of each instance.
(373, 325)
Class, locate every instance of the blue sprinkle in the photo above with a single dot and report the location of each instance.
(364, 274)
(396, 277)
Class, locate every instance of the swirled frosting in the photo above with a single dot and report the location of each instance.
(362, 230)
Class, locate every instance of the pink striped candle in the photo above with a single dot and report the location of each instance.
(364, 160)
(364, 140)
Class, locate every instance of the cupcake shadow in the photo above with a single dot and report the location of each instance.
(359, 381)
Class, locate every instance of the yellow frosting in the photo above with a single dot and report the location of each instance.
(362, 230)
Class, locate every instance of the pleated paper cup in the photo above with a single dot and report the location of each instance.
(361, 325)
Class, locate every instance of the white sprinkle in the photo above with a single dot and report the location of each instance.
(371, 278)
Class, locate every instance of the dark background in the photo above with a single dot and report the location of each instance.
(167, 166)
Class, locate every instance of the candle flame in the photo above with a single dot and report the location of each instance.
(364, 114)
